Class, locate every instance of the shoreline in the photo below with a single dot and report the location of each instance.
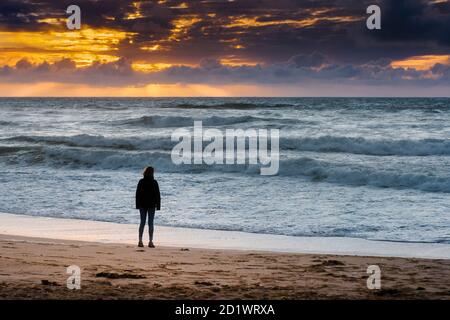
(116, 233)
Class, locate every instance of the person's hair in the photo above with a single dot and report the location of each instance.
(148, 172)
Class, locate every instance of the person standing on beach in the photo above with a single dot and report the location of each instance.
(148, 199)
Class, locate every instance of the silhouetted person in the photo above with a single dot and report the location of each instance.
(148, 199)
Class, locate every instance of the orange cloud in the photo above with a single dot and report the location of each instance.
(82, 46)
(421, 62)
(316, 17)
(149, 67)
(182, 26)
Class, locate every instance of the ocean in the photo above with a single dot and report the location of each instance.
(369, 168)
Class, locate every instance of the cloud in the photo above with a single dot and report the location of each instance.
(283, 42)
(299, 69)
(315, 59)
(262, 31)
(414, 21)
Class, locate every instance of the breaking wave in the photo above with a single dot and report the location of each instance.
(386, 147)
(323, 144)
(231, 105)
(174, 121)
(316, 170)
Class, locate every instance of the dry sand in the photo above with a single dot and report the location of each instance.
(32, 268)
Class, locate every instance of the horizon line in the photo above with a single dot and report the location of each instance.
(224, 97)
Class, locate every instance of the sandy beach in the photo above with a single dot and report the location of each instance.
(35, 268)
(207, 264)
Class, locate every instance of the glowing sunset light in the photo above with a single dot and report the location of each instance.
(140, 47)
(421, 62)
(181, 27)
(150, 67)
(233, 61)
(253, 22)
(83, 47)
(155, 47)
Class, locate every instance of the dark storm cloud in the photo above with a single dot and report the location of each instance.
(299, 70)
(415, 21)
(336, 44)
(212, 34)
(15, 14)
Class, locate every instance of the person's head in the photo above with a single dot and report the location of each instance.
(148, 172)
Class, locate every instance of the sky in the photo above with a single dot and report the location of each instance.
(225, 48)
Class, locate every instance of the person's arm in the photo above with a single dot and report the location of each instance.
(158, 196)
(138, 194)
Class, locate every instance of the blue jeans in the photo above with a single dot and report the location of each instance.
(151, 217)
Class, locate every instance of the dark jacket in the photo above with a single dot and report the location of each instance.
(147, 194)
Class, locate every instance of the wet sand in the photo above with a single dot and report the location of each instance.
(111, 232)
(35, 268)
